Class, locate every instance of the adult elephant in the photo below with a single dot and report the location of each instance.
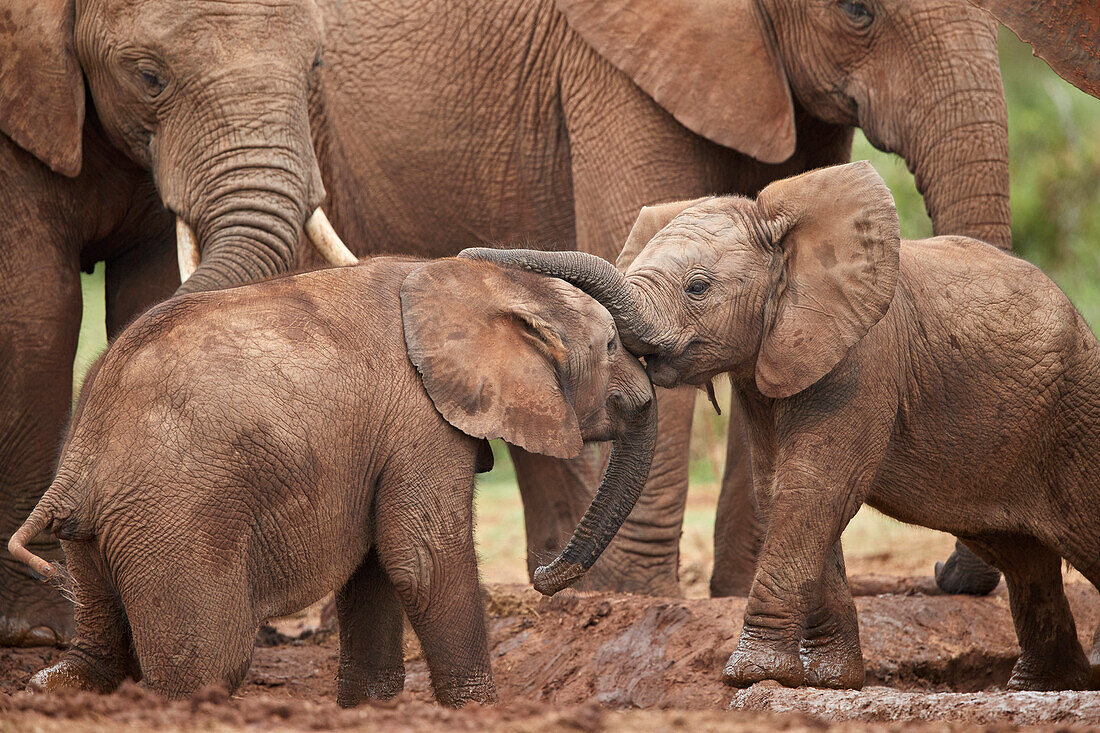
(502, 121)
(439, 125)
(118, 118)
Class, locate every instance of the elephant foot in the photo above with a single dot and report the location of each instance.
(69, 674)
(1059, 672)
(454, 693)
(964, 573)
(834, 662)
(32, 613)
(353, 688)
(755, 661)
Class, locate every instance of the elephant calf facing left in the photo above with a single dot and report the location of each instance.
(238, 454)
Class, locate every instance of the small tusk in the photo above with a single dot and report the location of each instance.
(327, 241)
(187, 248)
(709, 389)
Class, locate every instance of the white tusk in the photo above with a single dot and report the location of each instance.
(327, 241)
(187, 248)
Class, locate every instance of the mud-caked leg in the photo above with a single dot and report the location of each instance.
(831, 653)
(372, 664)
(426, 545)
(1051, 657)
(737, 530)
(100, 656)
(190, 635)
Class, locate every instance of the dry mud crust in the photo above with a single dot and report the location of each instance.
(886, 704)
(579, 658)
(135, 709)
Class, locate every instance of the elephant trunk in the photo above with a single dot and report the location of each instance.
(955, 141)
(622, 484)
(634, 316)
(244, 200)
(964, 179)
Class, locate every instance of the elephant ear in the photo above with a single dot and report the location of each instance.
(651, 219)
(1065, 34)
(839, 243)
(708, 62)
(41, 85)
(489, 361)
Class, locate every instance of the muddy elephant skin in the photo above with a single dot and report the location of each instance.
(241, 453)
(944, 382)
(117, 117)
(503, 121)
(440, 125)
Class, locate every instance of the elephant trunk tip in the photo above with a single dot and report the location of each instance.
(558, 575)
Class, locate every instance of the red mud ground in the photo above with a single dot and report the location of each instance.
(612, 662)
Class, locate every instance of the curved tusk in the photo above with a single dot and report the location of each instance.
(187, 249)
(328, 243)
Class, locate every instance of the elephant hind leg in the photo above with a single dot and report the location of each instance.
(1051, 657)
(372, 660)
(100, 655)
(190, 634)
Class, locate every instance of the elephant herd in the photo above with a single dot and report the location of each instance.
(239, 452)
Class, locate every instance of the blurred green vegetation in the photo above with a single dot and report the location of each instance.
(1054, 148)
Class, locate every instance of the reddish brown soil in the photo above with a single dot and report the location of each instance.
(590, 662)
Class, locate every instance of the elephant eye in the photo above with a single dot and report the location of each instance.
(318, 61)
(154, 82)
(858, 12)
(697, 287)
(612, 346)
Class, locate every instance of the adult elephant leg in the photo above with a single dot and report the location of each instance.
(644, 556)
(737, 528)
(40, 308)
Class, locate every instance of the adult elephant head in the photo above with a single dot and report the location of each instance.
(211, 97)
(111, 110)
(920, 77)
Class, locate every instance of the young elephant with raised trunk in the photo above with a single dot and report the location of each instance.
(239, 454)
(944, 382)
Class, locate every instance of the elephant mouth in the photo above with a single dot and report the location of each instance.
(662, 372)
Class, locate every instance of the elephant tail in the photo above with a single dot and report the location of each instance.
(55, 512)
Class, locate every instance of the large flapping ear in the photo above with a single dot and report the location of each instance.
(839, 236)
(708, 62)
(1065, 34)
(489, 363)
(651, 219)
(41, 85)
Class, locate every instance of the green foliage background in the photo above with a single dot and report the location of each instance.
(1054, 144)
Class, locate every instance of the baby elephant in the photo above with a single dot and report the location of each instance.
(241, 453)
(944, 382)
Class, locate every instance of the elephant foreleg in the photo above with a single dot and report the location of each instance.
(40, 308)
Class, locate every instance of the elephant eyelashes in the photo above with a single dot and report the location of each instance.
(859, 13)
(697, 287)
(153, 82)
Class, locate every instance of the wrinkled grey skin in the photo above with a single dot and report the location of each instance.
(436, 126)
(241, 453)
(944, 382)
(116, 115)
(497, 121)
